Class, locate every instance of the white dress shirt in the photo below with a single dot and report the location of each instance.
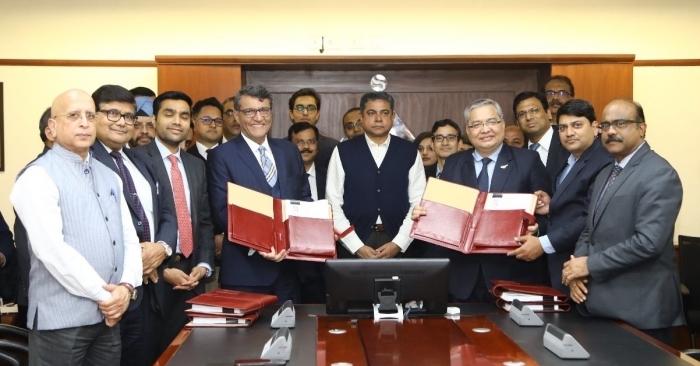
(545, 143)
(335, 190)
(254, 148)
(36, 199)
(203, 149)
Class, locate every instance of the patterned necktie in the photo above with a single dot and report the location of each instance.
(615, 172)
(483, 178)
(534, 146)
(438, 175)
(267, 167)
(133, 195)
(184, 221)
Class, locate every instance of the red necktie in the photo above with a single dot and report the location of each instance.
(184, 221)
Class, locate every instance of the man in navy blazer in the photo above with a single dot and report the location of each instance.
(155, 222)
(568, 209)
(270, 166)
(508, 169)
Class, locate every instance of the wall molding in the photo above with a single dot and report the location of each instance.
(76, 63)
(678, 62)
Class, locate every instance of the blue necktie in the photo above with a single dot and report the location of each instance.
(131, 188)
(267, 167)
(534, 146)
(563, 173)
(483, 178)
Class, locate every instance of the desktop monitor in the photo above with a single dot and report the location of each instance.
(352, 285)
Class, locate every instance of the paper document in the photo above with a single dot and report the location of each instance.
(320, 209)
(511, 201)
(202, 320)
(250, 200)
(523, 297)
(451, 194)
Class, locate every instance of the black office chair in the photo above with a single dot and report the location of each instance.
(12, 351)
(12, 333)
(689, 253)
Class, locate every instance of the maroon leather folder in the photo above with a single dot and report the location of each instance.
(478, 231)
(198, 320)
(544, 298)
(230, 303)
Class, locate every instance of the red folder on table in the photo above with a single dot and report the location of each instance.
(229, 303)
(260, 222)
(217, 321)
(539, 298)
(463, 219)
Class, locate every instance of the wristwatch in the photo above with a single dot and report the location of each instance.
(133, 294)
(168, 249)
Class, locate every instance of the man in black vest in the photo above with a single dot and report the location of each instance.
(371, 205)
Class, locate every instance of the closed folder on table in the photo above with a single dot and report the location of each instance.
(463, 219)
(229, 303)
(217, 321)
(260, 222)
(539, 298)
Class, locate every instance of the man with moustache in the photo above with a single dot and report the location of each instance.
(372, 204)
(491, 166)
(531, 111)
(352, 123)
(184, 182)
(231, 128)
(624, 264)
(208, 129)
(446, 141)
(144, 131)
(270, 166)
(81, 279)
(152, 216)
(514, 136)
(305, 106)
(568, 209)
(558, 89)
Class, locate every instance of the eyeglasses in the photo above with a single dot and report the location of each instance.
(251, 112)
(74, 116)
(618, 124)
(305, 142)
(532, 111)
(479, 125)
(352, 125)
(441, 138)
(148, 125)
(309, 108)
(114, 115)
(560, 93)
(229, 113)
(208, 120)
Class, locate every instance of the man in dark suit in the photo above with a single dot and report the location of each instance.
(152, 217)
(491, 166)
(271, 166)
(568, 209)
(208, 121)
(183, 178)
(624, 264)
(311, 279)
(305, 106)
(531, 111)
(447, 140)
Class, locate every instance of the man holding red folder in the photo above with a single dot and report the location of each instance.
(270, 166)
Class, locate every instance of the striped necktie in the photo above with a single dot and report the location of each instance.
(268, 167)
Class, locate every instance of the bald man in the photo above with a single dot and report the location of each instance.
(85, 263)
(514, 136)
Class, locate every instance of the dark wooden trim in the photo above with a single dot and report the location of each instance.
(169, 352)
(433, 60)
(77, 63)
(685, 62)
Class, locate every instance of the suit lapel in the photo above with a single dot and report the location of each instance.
(468, 173)
(250, 161)
(152, 182)
(504, 165)
(101, 154)
(194, 187)
(570, 176)
(279, 163)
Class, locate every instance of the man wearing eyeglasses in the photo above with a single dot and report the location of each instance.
(231, 128)
(267, 165)
(558, 89)
(207, 118)
(151, 215)
(624, 263)
(530, 109)
(491, 166)
(144, 130)
(305, 106)
(352, 123)
(446, 141)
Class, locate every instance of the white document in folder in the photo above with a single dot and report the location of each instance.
(315, 210)
(511, 201)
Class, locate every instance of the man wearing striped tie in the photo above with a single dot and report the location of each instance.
(268, 165)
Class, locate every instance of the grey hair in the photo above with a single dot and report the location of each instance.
(255, 91)
(480, 103)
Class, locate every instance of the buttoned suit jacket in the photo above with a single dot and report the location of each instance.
(568, 208)
(516, 171)
(235, 162)
(629, 244)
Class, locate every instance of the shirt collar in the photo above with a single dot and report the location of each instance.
(312, 170)
(627, 158)
(109, 150)
(164, 152)
(373, 144)
(493, 157)
(254, 145)
(546, 140)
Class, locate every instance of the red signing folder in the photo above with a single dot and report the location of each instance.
(539, 298)
(260, 222)
(466, 220)
(229, 303)
(218, 321)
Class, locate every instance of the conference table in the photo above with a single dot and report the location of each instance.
(482, 335)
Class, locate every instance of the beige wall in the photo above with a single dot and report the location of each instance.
(82, 29)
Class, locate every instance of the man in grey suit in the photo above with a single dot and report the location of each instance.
(624, 265)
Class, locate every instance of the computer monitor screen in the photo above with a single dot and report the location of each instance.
(351, 284)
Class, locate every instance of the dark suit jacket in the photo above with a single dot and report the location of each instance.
(568, 208)
(8, 273)
(430, 171)
(193, 151)
(557, 156)
(235, 162)
(200, 213)
(321, 176)
(325, 150)
(629, 244)
(516, 171)
(164, 220)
